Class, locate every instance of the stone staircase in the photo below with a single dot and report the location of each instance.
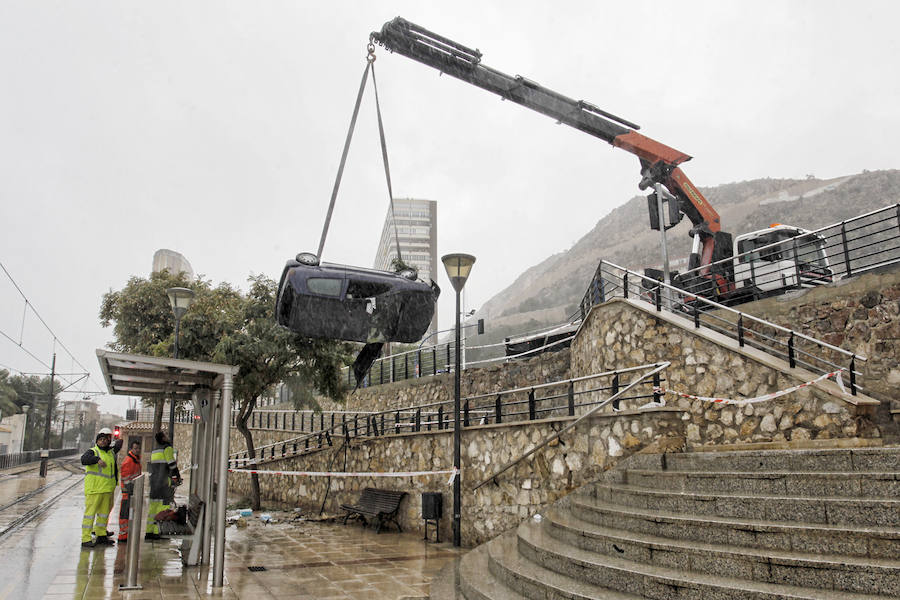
(750, 525)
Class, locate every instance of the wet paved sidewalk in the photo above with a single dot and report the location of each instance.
(302, 560)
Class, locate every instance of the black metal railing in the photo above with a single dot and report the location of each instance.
(798, 349)
(429, 361)
(564, 398)
(22, 458)
(852, 247)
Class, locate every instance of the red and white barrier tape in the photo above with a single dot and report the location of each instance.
(452, 472)
(764, 397)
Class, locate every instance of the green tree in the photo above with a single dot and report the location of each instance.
(268, 354)
(143, 322)
(8, 396)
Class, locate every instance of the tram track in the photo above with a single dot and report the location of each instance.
(33, 512)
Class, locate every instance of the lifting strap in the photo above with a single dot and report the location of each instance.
(370, 66)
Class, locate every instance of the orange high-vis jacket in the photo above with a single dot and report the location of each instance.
(131, 468)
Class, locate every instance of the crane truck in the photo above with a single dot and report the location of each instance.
(712, 264)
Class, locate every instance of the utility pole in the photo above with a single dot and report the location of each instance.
(45, 449)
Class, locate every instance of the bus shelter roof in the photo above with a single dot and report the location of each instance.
(152, 376)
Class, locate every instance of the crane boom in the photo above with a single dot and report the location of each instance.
(659, 163)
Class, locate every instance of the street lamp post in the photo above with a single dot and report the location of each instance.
(180, 299)
(458, 267)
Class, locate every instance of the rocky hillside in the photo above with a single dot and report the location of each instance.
(550, 291)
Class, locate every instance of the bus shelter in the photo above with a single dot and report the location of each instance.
(208, 387)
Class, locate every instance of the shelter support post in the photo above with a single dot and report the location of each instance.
(222, 483)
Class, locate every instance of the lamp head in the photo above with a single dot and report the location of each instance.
(458, 268)
(180, 299)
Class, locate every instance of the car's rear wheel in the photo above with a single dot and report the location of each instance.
(307, 258)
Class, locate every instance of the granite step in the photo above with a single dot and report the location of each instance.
(653, 581)
(873, 542)
(779, 483)
(469, 578)
(830, 572)
(878, 459)
(830, 510)
(536, 582)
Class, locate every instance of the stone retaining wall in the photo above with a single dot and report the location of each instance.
(620, 333)
(528, 488)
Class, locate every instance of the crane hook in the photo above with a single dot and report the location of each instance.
(370, 48)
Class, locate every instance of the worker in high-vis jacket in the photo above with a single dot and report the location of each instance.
(164, 477)
(101, 474)
(131, 470)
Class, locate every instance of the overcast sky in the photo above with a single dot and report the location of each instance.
(215, 129)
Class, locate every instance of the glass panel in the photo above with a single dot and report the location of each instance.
(324, 287)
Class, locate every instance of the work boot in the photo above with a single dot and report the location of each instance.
(104, 540)
(152, 536)
(88, 544)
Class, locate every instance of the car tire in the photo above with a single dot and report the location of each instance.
(307, 259)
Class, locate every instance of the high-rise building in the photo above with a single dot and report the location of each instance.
(417, 230)
(175, 262)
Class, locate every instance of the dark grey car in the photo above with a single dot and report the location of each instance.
(352, 303)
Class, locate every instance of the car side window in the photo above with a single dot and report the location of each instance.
(365, 289)
(324, 286)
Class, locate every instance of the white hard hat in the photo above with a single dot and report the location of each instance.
(105, 431)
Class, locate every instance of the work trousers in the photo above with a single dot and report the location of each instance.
(157, 505)
(124, 506)
(96, 514)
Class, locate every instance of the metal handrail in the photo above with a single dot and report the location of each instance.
(418, 410)
(659, 367)
(811, 234)
(741, 314)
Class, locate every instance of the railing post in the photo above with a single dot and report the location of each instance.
(397, 422)
(406, 366)
(321, 420)
(656, 383)
(466, 414)
(531, 407)
(797, 263)
(498, 410)
(440, 417)
(344, 425)
(625, 285)
(571, 395)
(393, 368)
(792, 360)
(381, 379)
(382, 423)
(741, 330)
(448, 358)
(615, 390)
(658, 298)
(853, 374)
(846, 249)
(302, 422)
(434, 360)
(293, 421)
(418, 363)
(418, 420)
(696, 314)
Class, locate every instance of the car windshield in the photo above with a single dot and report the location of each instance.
(809, 247)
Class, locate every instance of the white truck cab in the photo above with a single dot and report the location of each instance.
(772, 261)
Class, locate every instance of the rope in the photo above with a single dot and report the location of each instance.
(384, 156)
(370, 66)
(340, 173)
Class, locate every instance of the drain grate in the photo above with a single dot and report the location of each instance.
(256, 568)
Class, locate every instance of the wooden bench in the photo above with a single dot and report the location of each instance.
(381, 505)
(176, 529)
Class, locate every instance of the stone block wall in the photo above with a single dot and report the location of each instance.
(860, 314)
(621, 333)
(580, 456)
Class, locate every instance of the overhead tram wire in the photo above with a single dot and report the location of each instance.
(56, 340)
